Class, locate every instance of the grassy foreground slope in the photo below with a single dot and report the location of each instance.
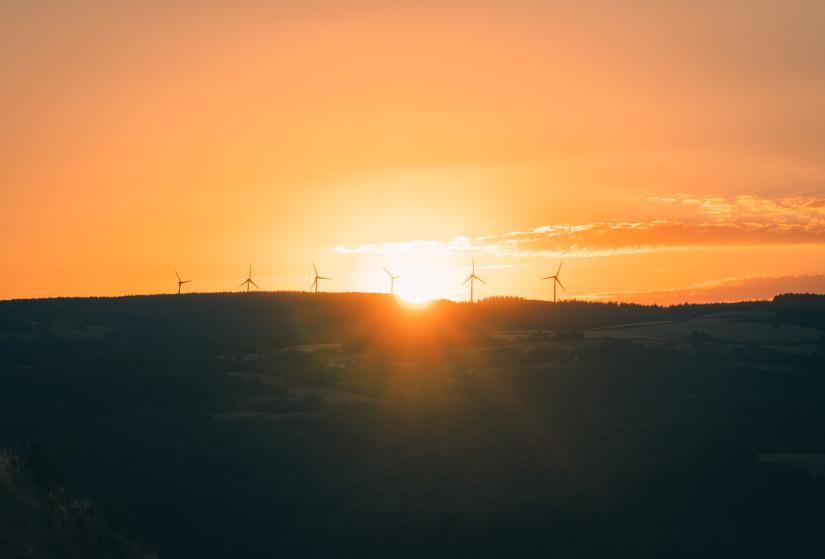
(47, 523)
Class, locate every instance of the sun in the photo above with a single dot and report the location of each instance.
(421, 281)
(419, 289)
(415, 296)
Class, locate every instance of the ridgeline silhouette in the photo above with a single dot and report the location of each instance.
(347, 424)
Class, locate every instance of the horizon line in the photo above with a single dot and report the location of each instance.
(328, 294)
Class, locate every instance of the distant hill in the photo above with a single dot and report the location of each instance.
(804, 309)
(239, 320)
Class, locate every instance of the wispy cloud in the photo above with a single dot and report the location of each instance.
(724, 290)
(708, 222)
(794, 209)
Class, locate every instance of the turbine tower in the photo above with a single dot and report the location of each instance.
(248, 281)
(392, 280)
(556, 280)
(180, 281)
(471, 278)
(317, 277)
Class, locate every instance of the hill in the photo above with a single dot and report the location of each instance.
(239, 320)
(297, 425)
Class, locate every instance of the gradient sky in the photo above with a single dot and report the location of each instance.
(665, 150)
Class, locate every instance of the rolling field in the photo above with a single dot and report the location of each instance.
(730, 328)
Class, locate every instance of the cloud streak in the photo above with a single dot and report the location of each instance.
(725, 290)
(707, 223)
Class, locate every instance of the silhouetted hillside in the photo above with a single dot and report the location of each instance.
(803, 309)
(296, 425)
(237, 321)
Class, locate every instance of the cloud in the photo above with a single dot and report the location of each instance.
(708, 222)
(794, 209)
(725, 290)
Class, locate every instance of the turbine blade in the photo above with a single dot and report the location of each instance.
(323, 277)
(177, 274)
(311, 287)
(560, 283)
(255, 284)
(388, 272)
(468, 279)
(186, 281)
(243, 283)
(481, 280)
(548, 277)
(559, 270)
(314, 268)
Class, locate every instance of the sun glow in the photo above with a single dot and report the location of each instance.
(414, 296)
(421, 288)
(417, 289)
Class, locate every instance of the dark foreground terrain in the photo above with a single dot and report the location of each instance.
(290, 425)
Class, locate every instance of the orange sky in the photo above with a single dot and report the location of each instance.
(665, 150)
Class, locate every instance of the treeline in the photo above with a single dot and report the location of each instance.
(239, 321)
(804, 309)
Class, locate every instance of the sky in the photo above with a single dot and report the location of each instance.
(665, 151)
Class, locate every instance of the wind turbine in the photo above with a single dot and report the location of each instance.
(471, 278)
(392, 280)
(248, 281)
(556, 280)
(180, 281)
(317, 277)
